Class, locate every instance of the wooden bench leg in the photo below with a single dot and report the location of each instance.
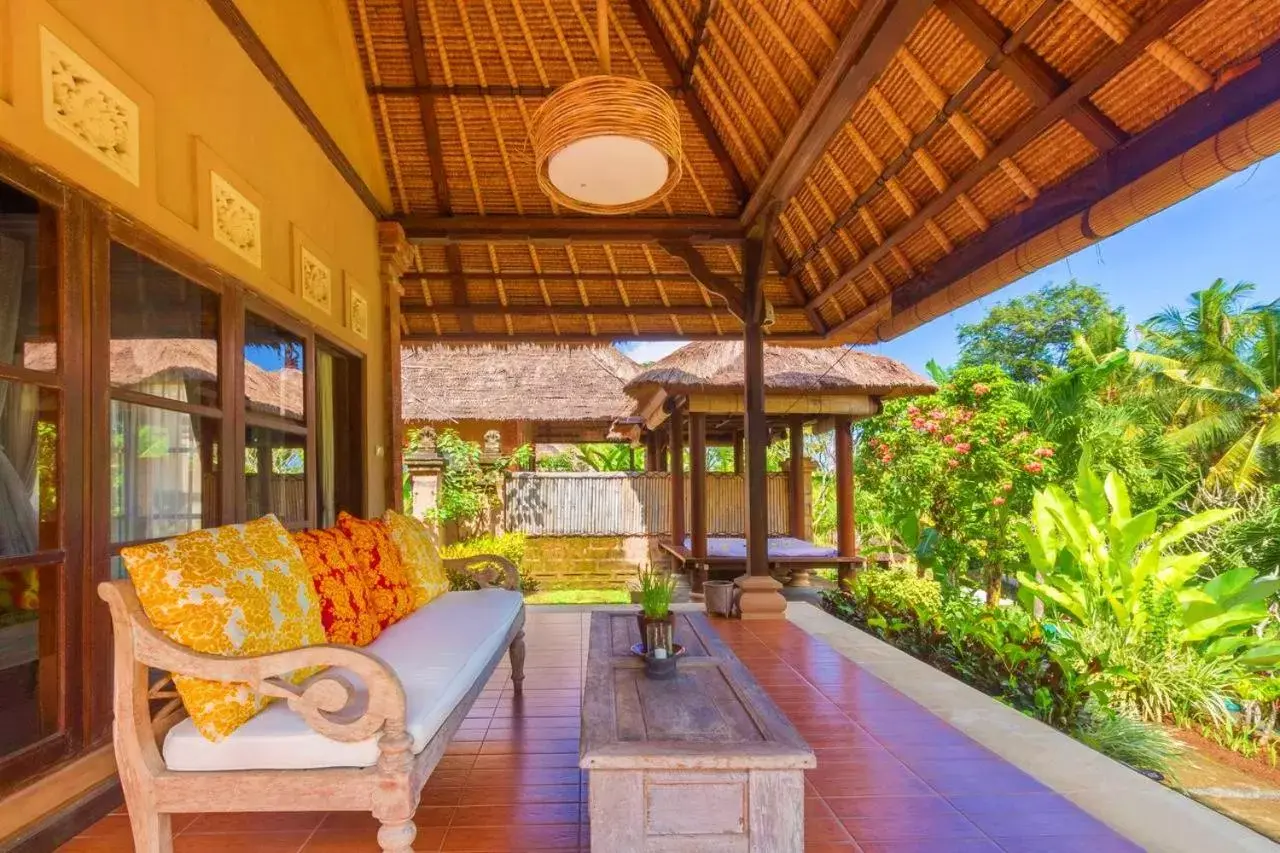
(152, 832)
(396, 836)
(517, 662)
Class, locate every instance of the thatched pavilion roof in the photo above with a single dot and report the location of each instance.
(923, 152)
(707, 366)
(521, 382)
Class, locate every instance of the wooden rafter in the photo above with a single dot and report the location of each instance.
(719, 284)
(1192, 123)
(700, 32)
(435, 152)
(877, 32)
(571, 229)
(1057, 109)
(644, 16)
(1031, 74)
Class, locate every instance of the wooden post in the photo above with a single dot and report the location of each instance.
(396, 255)
(797, 506)
(737, 451)
(846, 541)
(795, 430)
(698, 483)
(676, 443)
(761, 598)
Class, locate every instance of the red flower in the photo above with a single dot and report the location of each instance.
(948, 439)
(1006, 487)
(979, 389)
(930, 426)
(963, 447)
(1033, 467)
(1043, 452)
(913, 410)
(997, 501)
(937, 414)
(918, 423)
(953, 463)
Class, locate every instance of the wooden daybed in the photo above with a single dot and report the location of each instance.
(726, 558)
(363, 735)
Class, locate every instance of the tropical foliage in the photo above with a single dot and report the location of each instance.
(1123, 486)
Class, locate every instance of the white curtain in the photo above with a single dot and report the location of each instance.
(18, 493)
(158, 465)
(326, 440)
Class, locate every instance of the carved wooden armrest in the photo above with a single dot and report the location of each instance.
(327, 701)
(484, 569)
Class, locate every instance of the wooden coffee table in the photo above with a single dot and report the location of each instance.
(705, 762)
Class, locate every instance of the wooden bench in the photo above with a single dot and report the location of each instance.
(334, 746)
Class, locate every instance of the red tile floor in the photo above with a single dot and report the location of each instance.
(890, 776)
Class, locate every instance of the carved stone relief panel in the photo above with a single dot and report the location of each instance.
(357, 310)
(315, 280)
(82, 106)
(237, 222)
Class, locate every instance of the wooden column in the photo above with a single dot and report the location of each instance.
(846, 542)
(796, 503)
(761, 598)
(397, 254)
(675, 424)
(698, 483)
(737, 451)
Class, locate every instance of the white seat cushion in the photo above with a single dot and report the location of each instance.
(438, 651)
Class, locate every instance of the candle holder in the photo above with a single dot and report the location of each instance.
(659, 665)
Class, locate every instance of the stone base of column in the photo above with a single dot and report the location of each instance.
(761, 598)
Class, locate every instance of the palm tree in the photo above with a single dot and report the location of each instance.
(1223, 355)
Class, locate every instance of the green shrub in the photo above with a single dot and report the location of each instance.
(509, 545)
(1134, 742)
(897, 589)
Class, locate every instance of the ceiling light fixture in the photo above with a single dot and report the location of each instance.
(607, 144)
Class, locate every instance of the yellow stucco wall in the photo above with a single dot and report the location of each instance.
(201, 105)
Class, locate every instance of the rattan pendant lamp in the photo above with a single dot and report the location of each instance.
(606, 144)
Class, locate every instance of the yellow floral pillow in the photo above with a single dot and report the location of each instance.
(420, 556)
(237, 591)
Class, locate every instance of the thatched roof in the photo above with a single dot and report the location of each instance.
(137, 362)
(714, 366)
(521, 382)
(924, 152)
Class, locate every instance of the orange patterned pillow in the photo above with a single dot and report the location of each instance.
(390, 592)
(344, 600)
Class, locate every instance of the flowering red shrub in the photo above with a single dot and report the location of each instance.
(967, 466)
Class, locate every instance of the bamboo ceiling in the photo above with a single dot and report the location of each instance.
(909, 142)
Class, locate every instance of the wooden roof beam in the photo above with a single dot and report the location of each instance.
(582, 338)
(597, 309)
(473, 90)
(1031, 74)
(721, 285)
(700, 30)
(1195, 121)
(879, 29)
(653, 31)
(1102, 71)
(443, 230)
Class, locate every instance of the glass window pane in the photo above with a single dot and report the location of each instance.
(28, 469)
(273, 365)
(164, 331)
(275, 474)
(28, 657)
(164, 472)
(28, 282)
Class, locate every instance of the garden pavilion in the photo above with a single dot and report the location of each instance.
(348, 176)
(696, 393)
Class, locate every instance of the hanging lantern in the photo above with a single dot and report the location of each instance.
(607, 144)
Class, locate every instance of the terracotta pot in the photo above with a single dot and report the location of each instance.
(644, 622)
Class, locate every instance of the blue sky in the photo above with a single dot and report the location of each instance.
(1230, 230)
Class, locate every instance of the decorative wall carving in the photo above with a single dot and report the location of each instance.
(84, 107)
(237, 222)
(357, 312)
(316, 281)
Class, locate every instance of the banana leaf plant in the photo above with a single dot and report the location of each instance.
(1090, 558)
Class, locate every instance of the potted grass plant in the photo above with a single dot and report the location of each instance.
(655, 618)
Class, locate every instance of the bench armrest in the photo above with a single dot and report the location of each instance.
(483, 569)
(327, 701)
